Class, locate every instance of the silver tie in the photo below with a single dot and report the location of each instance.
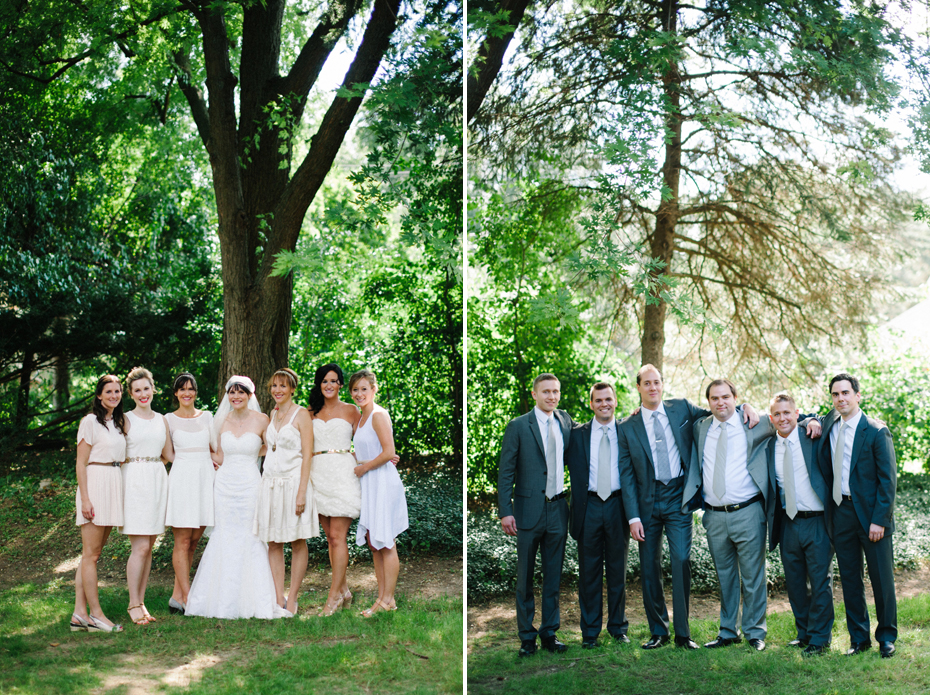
(838, 465)
(662, 464)
(791, 498)
(603, 465)
(720, 463)
(550, 460)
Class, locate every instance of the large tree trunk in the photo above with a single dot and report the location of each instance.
(61, 397)
(662, 240)
(22, 395)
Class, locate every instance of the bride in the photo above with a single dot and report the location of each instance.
(234, 578)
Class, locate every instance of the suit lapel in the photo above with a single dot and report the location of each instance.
(639, 429)
(703, 428)
(675, 423)
(534, 429)
(586, 431)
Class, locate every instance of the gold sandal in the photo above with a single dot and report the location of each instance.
(331, 608)
(138, 621)
(378, 607)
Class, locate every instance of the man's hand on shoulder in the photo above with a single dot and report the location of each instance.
(750, 416)
(814, 428)
(509, 524)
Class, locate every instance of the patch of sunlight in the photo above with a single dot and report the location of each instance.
(68, 565)
(182, 675)
(53, 530)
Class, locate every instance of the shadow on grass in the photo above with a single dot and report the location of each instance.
(417, 649)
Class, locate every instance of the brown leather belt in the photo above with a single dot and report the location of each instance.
(116, 464)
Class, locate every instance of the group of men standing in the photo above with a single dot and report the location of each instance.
(762, 482)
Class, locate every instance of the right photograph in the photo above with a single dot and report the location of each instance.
(698, 315)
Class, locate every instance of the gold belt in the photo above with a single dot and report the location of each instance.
(333, 451)
(141, 459)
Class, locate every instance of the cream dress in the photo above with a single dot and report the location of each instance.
(275, 517)
(190, 483)
(336, 488)
(104, 483)
(145, 480)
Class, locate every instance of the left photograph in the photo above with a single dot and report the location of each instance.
(231, 382)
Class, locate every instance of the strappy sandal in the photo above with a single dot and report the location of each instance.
(78, 624)
(148, 616)
(379, 607)
(331, 608)
(347, 599)
(138, 621)
(97, 625)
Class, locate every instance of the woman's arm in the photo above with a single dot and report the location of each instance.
(167, 451)
(83, 454)
(381, 422)
(305, 427)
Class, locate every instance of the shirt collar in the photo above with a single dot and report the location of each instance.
(852, 423)
(735, 420)
(794, 438)
(541, 416)
(660, 409)
(597, 425)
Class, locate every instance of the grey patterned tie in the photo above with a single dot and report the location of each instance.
(720, 463)
(603, 465)
(550, 460)
(662, 464)
(838, 465)
(791, 499)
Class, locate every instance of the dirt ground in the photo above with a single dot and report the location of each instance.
(499, 615)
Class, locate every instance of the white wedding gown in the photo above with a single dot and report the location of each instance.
(234, 577)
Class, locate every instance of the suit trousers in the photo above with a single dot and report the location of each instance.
(547, 537)
(737, 545)
(807, 554)
(605, 539)
(851, 541)
(678, 528)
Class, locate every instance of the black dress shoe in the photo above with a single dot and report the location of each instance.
(723, 642)
(622, 639)
(656, 641)
(551, 644)
(589, 643)
(757, 644)
(857, 647)
(685, 642)
(815, 649)
(798, 643)
(886, 649)
(527, 647)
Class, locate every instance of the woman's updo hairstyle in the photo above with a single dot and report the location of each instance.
(365, 374)
(137, 373)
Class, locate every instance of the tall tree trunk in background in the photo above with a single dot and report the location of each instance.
(22, 394)
(61, 396)
(661, 242)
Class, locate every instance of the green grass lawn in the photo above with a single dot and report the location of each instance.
(493, 665)
(417, 649)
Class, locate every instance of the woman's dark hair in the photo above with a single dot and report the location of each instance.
(316, 398)
(180, 381)
(241, 388)
(100, 412)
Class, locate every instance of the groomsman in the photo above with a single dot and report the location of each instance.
(797, 523)
(731, 471)
(860, 471)
(598, 522)
(532, 507)
(655, 456)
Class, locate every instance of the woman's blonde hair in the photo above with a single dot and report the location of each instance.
(366, 374)
(290, 377)
(137, 373)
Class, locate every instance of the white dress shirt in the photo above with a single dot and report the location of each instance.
(848, 438)
(740, 485)
(596, 435)
(674, 456)
(807, 500)
(542, 419)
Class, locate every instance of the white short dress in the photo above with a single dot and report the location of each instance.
(384, 502)
(145, 480)
(104, 483)
(275, 517)
(336, 488)
(190, 483)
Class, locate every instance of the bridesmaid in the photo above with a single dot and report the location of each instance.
(99, 500)
(384, 503)
(286, 512)
(336, 488)
(190, 484)
(145, 487)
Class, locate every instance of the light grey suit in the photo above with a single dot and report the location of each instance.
(737, 539)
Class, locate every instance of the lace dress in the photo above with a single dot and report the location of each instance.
(104, 483)
(234, 579)
(384, 502)
(190, 483)
(145, 480)
(275, 517)
(336, 488)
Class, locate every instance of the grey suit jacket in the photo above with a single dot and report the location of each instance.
(521, 479)
(756, 439)
(776, 514)
(637, 469)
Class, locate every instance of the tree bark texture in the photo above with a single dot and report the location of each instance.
(260, 206)
(25, 383)
(661, 242)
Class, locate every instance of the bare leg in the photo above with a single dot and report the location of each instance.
(324, 522)
(93, 538)
(276, 560)
(147, 569)
(390, 568)
(337, 528)
(299, 557)
(185, 540)
(140, 559)
(379, 567)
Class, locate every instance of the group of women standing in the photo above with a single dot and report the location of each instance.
(310, 478)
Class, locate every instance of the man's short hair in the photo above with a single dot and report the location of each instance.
(843, 376)
(645, 368)
(720, 382)
(599, 386)
(545, 376)
(783, 396)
